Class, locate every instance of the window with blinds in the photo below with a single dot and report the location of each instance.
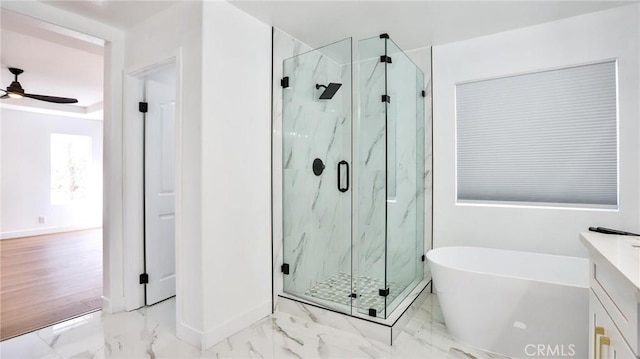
(543, 138)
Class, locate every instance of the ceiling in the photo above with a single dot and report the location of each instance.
(411, 24)
(56, 62)
(59, 62)
(117, 13)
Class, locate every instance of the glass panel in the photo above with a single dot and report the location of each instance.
(316, 124)
(405, 171)
(371, 177)
(420, 175)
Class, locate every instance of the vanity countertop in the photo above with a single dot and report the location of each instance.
(623, 252)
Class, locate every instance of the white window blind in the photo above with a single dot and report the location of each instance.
(545, 137)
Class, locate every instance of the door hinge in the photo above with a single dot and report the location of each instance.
(385, 58)
(372, 312)
(143, 107)
(144, 278)
(424, 93)
(383, 292)
(386, 98)
(284, 82)
(353, 295)
(424, 257)
(285, 268)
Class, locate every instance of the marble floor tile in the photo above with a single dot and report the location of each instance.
(28, 345)
(150, 333)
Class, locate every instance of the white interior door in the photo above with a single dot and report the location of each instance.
(160, 94)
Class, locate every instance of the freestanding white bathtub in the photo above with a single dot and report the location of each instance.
(519, 304)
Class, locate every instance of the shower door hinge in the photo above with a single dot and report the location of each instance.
(144, 278)
(383, 292)
(353, 295)
(372, 312)
(385, 58)
(386, 98)
(143, 107)
(424, 93)
(424, 257)
(285, 268)
(284, 82)
(384, 36)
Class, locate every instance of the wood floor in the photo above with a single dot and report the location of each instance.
(47, 279)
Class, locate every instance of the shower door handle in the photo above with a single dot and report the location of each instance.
(340, 164)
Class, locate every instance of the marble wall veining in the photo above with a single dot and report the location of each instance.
(422, 58)
(370, 154)
(391, 198)
(316, 227)
(284, 47)
(405, 162)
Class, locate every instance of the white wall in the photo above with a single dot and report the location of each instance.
(26, 175)
(592, 37)
(112, 171)
(175, 33)
(236, 170)
(223, 232)
(233, 288)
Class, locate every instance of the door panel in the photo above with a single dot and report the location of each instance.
(160, 188)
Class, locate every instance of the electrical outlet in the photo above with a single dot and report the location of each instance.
(42, 219)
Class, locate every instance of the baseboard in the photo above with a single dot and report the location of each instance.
(205, 340)
(106, 305)
(227, 329)
(45, 230)
(112, 306)
(189, 335)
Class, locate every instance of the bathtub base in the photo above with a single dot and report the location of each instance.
(383, 330)
(519, 304)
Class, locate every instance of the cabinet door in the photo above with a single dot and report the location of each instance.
(605, 341)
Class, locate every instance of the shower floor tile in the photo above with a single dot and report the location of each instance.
(337, 289)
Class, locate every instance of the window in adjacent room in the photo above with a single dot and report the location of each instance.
(543, 138)
(70, 168)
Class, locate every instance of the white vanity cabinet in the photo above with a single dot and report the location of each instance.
(614, 298)
(605, 340)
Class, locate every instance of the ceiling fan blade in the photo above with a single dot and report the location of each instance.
(51, 98)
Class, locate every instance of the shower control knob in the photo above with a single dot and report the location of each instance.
(318, 167)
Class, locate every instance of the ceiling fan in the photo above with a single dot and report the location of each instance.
(15, 91)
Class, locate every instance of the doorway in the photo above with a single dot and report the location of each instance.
(51, 258)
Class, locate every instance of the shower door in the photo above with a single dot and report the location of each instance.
(317, 175)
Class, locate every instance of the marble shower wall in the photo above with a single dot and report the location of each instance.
(405, 172)
(316, 225)
(284, 47)
(391, 213)
(422, 58)
(370, 156)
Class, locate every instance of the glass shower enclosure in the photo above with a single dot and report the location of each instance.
(353, 176)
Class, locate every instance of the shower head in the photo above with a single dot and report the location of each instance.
(329, 90)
